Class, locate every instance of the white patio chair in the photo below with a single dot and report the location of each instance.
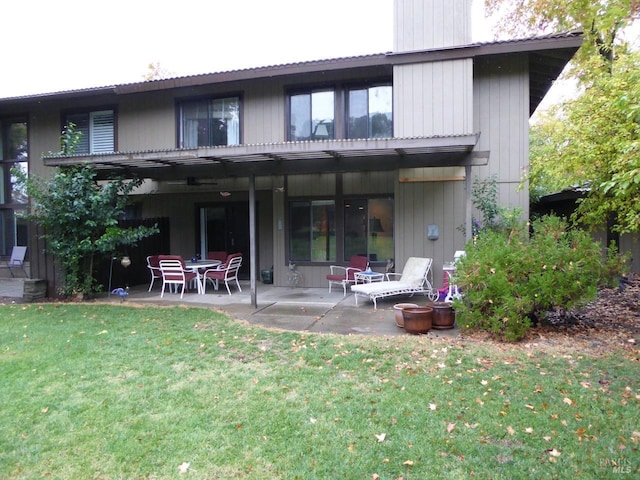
(17, 260)
(227, 272)
(153, 264)
(174, 273)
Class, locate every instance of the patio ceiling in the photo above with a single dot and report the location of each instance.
(285, 158)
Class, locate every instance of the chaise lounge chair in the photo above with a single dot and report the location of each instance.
(413, 279)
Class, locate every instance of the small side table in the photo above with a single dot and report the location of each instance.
(368, 277)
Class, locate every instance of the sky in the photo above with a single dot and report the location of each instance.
(54, 46)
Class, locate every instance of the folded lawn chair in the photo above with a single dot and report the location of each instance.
(413, 279)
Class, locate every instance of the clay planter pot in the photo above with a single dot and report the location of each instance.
(443, 315)
(417, 319)
(398, 312)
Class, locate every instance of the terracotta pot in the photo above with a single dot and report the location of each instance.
(417, 319)
(443, 315)
(398, 312)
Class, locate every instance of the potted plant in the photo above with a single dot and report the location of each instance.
(417, 319)
(443, 315)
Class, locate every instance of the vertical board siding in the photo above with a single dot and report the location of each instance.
(501, 113)
(368, 183)
(147, 120)
(263, 113)
(433, 98)
(448, 21)
(419, 204)
(322, 184)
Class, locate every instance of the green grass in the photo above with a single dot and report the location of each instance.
(119, 392)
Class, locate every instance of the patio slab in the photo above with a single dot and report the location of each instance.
(294, 309)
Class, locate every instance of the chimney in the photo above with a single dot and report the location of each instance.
(429, 24)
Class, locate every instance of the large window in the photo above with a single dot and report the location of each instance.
(368, 228)
(363, 227)
(311, 115)
(370, 112)
(209, 122)
(98, 131)
(312, 231)
(13, 154)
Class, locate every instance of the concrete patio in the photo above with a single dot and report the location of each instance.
(297, 309)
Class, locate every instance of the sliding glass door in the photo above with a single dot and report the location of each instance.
(225, 227)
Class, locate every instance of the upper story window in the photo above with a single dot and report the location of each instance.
(98, 131)
(13, 154)
(209, 122)
(311, 115)
(370, 112)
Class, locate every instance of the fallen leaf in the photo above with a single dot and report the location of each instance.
(44, 410)
(554, 453)
(450, 427)
(567, 400)
(510, 430)
(381, 437)
(184, 468)
(432, 406)
(408, 463)
(528, 430)
(313, 420)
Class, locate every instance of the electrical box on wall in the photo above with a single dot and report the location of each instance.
(433, 232)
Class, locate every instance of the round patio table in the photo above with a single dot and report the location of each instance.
(200, 266)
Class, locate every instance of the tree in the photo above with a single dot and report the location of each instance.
(596, 144)
(601, 21)
(79, 216)
(591, 141)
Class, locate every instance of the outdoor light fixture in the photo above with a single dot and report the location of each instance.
(225, 194)
(433, 232)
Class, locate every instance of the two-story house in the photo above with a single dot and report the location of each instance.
(311, 162)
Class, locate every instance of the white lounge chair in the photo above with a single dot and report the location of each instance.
(413, 279)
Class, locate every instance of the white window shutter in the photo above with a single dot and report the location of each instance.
(102, 132)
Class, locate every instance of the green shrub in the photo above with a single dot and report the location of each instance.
(511, 278)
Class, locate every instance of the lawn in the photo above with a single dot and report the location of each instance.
(124, 392)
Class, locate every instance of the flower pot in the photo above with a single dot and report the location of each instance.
(398, 312)
(443, 315)
(417, 319)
